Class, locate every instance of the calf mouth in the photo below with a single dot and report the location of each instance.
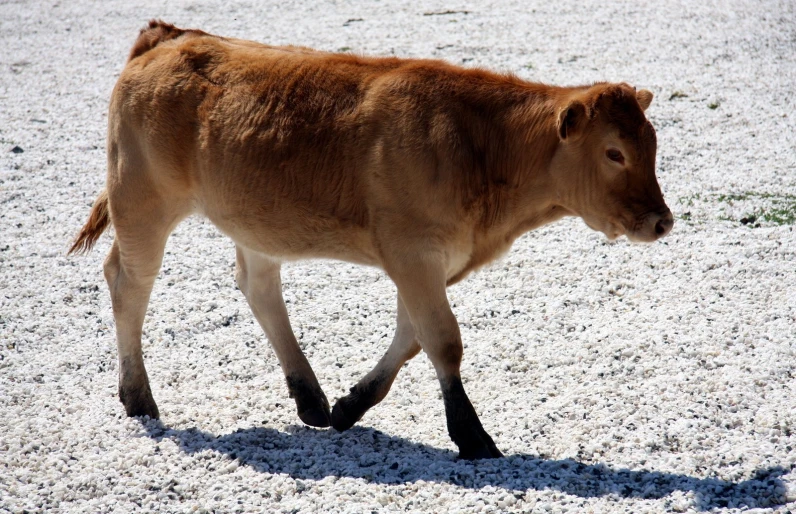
(613, 229)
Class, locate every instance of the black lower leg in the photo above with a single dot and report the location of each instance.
(350, 408)
(464, 426)
(311, 403)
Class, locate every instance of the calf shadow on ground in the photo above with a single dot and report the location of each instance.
(368, 454)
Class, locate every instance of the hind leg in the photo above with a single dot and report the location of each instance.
(143, 223)
(129, 298)
(130, 281)
(259, 279)
(375, 385)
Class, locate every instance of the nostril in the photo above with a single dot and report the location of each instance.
(664, 225)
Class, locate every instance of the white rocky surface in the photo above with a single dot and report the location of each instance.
(615, 377)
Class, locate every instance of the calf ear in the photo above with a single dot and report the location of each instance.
(572, 119)
(644, 98)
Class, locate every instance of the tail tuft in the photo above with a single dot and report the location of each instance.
(98, 221)
(157, 32)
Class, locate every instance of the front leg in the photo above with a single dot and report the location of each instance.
(421, 283)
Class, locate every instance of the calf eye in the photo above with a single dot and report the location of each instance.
(615, 155)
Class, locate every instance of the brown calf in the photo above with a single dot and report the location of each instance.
(419, 167)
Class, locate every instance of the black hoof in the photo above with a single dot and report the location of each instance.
(474, 443)
(463, 425)
(340, 419)
(316, 417)
(139, 403)
(488, 451)
(311, 404)
(350, 408)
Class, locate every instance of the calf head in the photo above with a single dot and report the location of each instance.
(604, 166)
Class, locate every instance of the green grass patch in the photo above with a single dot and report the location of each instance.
(690, 200)
(775, 209)
(755, 207)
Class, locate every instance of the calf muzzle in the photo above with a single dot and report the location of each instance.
(664, 224)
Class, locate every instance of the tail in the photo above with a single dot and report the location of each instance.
(157, 32)
(97, 222)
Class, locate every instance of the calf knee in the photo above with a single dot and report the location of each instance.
(445, 354)
(447, 357)
(443, 345)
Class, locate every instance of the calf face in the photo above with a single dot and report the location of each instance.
(604, 168)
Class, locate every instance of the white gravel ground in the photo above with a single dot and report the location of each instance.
(615, 377)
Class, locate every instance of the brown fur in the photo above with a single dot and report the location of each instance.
(422, 168)
(97, 222)
(156, 33)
